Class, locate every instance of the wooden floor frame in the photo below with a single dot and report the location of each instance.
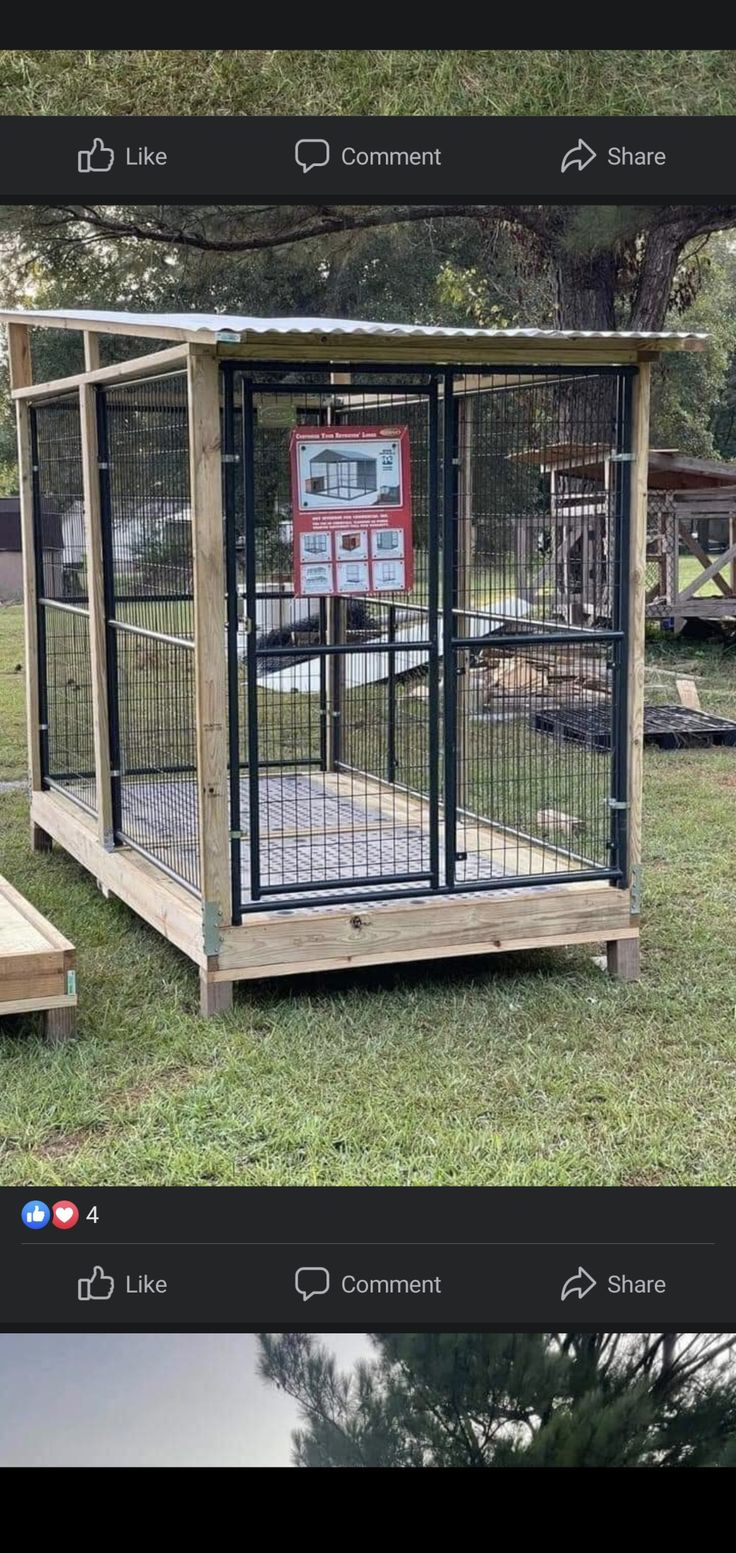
(296, 940)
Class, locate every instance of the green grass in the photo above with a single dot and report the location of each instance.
(367, 81)
(522, 1069)
(12, 703)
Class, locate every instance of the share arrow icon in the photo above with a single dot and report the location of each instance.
(579, 156)
(581, 1284)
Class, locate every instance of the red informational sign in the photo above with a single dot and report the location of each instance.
(351, 493)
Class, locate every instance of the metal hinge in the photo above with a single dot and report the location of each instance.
(104, 465)
(637, 884)
(212, 937)
(622, 458)
(230, 458)
(617, 803)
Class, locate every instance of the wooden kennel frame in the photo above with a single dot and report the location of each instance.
(295, 938)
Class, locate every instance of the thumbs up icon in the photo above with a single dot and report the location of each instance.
(98, 1287)
(98, 160)
(35, 1214)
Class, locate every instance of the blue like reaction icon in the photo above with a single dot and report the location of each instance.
(35, 1215)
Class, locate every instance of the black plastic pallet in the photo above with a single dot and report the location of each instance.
(670, 727)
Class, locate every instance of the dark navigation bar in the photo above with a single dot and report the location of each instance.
(367, 1259)
(433, 160)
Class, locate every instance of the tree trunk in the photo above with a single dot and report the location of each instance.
(659, 262)
(586, 290)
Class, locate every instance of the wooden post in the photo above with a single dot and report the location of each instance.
(466, 410)
(60, 1025)
(623, 956)
(210, 662)
(21, 377)
(19, 352)
(96, 610)
(91, 351)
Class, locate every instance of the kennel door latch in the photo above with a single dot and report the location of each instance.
(618, 803)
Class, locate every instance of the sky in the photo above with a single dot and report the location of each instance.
(129, 1400)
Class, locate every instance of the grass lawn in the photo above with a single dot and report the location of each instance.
(381, 81)
(12, 697)
(523, 1069)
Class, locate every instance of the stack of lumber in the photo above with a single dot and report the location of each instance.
(530, 675)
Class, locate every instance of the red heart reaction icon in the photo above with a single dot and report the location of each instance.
(64, 1215)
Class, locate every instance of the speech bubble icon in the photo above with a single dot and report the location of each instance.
(309, 1281)
(311, 153)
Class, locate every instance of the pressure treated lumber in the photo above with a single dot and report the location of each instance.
(37, 965)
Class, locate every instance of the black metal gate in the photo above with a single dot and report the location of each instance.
(364, 759)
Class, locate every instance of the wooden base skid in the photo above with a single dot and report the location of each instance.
(273, 945)
(292, 942)
(37, 965)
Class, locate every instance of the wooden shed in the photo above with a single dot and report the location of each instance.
(691, 512)
(338, 789)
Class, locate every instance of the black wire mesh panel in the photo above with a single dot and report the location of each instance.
(537, 464)
(335, 741)
(148, 534)
(532, 805)
(66, 681)
(539, 504)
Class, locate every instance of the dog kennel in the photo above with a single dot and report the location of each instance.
(344, 751)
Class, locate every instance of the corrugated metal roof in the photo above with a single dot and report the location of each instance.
(239, 327)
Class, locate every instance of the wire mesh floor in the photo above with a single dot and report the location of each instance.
(320, 826)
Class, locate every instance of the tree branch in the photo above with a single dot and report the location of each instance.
(315, 223)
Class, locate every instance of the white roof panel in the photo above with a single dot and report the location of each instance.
(241, 327)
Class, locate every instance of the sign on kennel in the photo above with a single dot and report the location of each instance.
(351, 505)
(285, 772)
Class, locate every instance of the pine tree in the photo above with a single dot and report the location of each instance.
(565, 1399)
